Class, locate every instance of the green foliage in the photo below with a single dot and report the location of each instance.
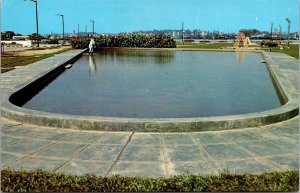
(268, 43)
(127, 40)
(41, 181)
(205, 46)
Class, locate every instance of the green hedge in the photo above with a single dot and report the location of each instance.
(127, 40)
(268, 43)
(41, 181)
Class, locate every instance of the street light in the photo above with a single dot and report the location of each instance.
(182, 34)
(78, 30)
(271, 31)
(289, 25)
(93, 25)
(63, 23)
(37, 21)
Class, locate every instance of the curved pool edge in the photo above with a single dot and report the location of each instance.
(277, 65)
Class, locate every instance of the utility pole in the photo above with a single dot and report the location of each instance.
(280, 31)
(63, 24)
(271, 31)
(182, 34)
(78, 30)
(93, 26)
(37, 22)
(289, 25)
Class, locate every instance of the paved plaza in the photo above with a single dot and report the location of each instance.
(253, 150)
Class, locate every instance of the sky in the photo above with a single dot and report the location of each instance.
(114, 16)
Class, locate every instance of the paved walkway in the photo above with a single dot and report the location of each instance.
(254, 150)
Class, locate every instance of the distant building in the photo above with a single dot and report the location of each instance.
(175, 34)
(20, 37)
(17, 43)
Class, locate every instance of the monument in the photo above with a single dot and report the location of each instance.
(242, 40)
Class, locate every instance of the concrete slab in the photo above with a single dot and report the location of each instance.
(225, 151)
(138, 153)
(179, 153)
(245, 166)
(27, 146)
(175, 139)
(152, 169)
(188, 168)
(264, 148)
(99, 153)
(34, 163)
(84, 168)
(60, 150)
(288, 162)
(7, 158)
(206, 138)
(146, 139)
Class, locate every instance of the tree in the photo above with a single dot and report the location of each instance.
(7, 35)
(34, 36)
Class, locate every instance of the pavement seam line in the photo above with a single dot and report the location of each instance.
(210, 159)
(166, 160)
(118, 158)
(263, 139)
(82, 149)
(260, 159)
(26, 155)
(58, 141)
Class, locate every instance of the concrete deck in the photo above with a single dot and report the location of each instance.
(253, 150)
(257, 149)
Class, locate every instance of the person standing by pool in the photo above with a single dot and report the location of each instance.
(91, 46)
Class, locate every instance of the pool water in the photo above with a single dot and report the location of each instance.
(160, 84)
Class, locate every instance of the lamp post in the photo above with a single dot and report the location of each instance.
(93, 26)
(280, 32)
(37, 21)
(289, 25)
(63, 23)
(182, 34)
(78, 30)
(271, 31)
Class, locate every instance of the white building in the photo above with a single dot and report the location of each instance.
(16, 43)
(20, 37)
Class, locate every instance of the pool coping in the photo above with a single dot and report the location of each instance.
(283, 69)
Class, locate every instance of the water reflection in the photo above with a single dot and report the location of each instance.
(240, 56)
(92, 64)
(192, 84)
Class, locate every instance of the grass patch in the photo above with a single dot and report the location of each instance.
(292, 51)
(204, 46)
(41, 181)
(10, 61)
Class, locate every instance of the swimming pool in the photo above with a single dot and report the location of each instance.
(160, 84)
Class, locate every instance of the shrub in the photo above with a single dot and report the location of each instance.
(127, 40)
(268, 44)
(41, 181)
